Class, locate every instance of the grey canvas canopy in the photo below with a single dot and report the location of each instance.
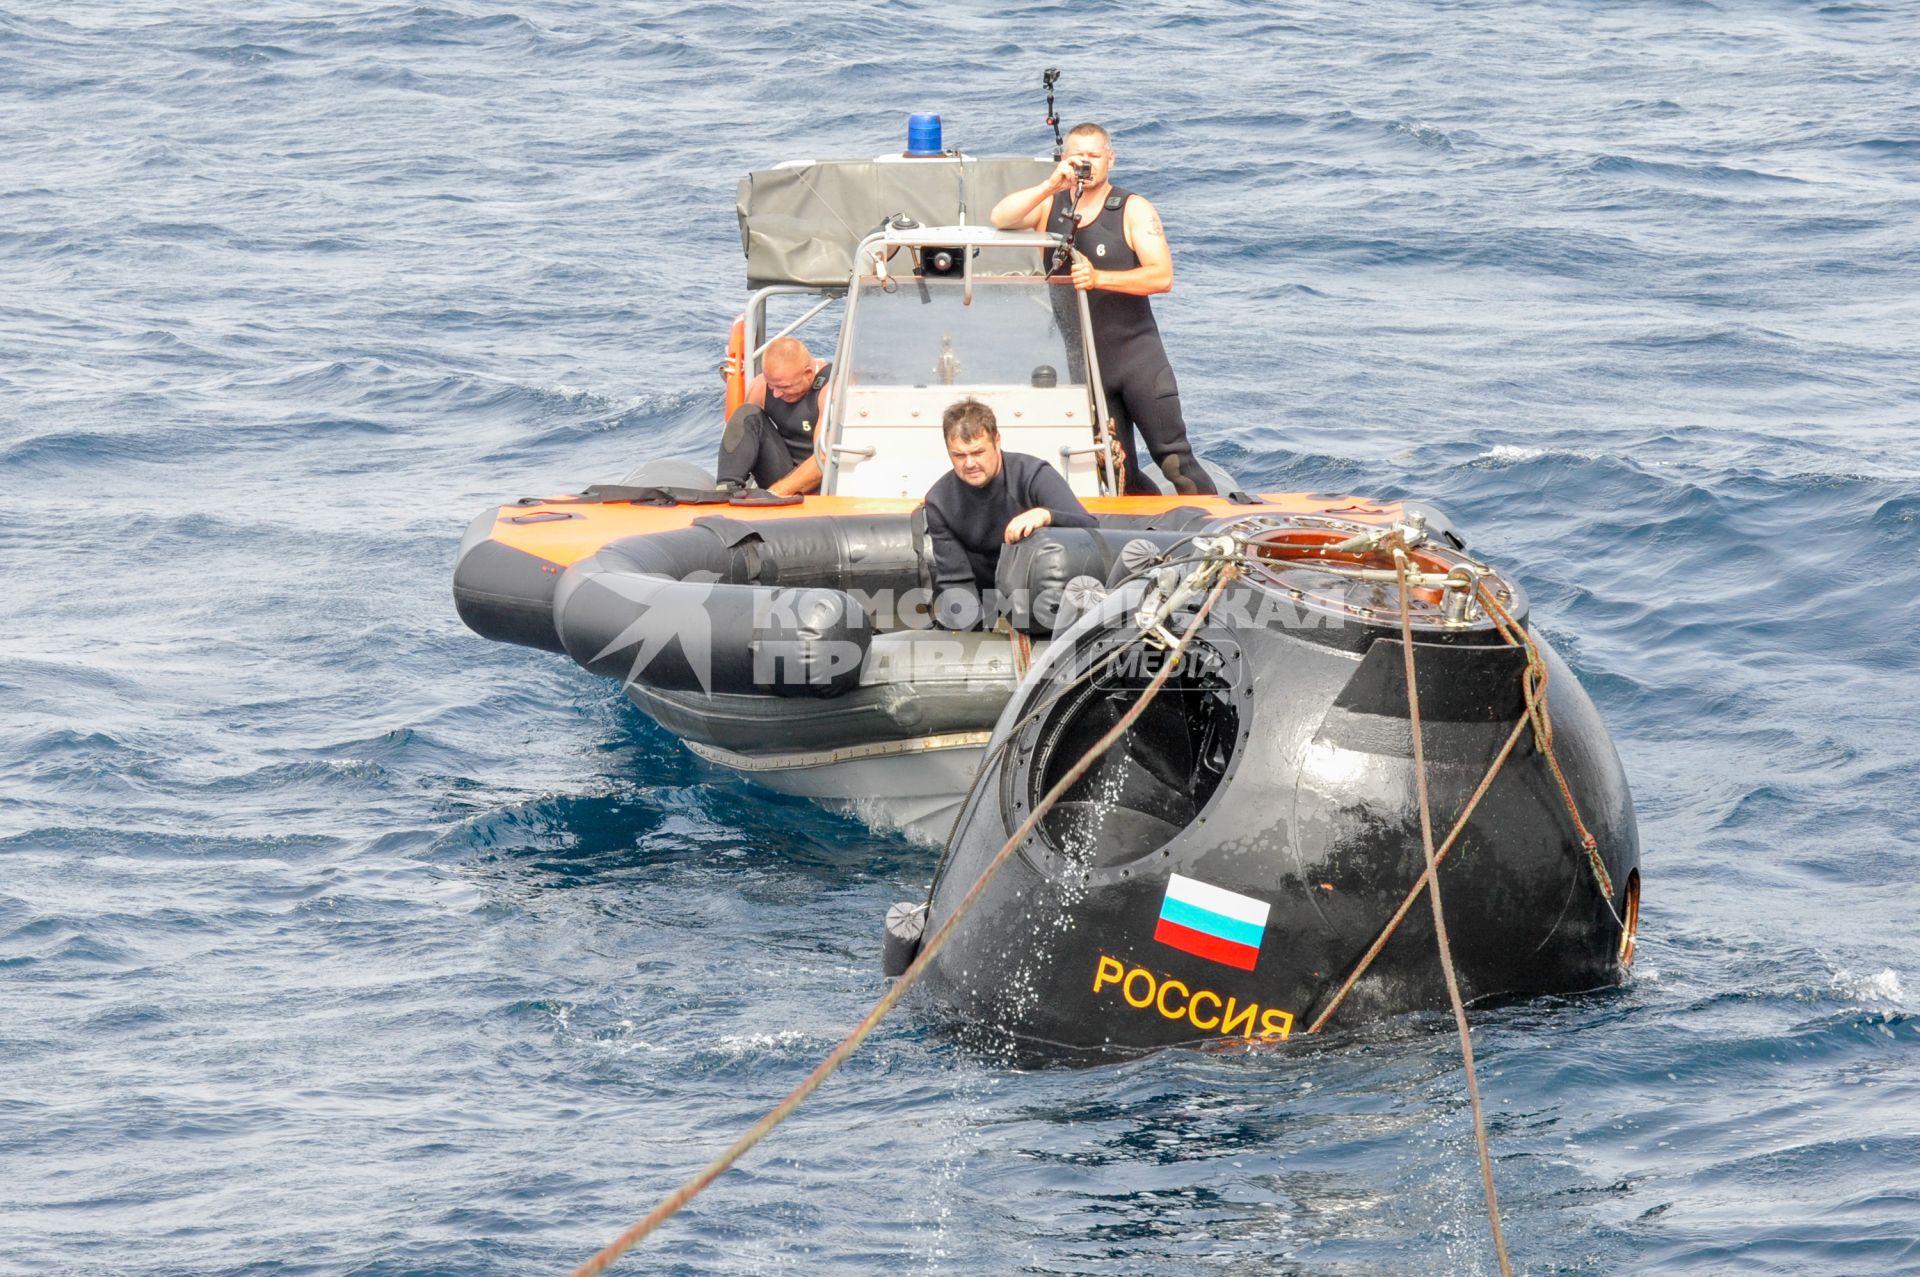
(800, 223)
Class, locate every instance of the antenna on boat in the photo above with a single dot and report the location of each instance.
(1049, 78)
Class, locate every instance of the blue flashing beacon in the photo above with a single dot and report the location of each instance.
(923, 137)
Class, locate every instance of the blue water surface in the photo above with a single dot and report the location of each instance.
(335, 939)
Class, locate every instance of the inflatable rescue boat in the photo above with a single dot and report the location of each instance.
(1236, 851)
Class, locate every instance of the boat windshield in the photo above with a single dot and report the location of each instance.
(919, 332)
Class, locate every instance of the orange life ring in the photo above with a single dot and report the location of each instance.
(734, 371)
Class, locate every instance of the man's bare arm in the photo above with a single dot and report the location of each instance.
(804, 477)
(1027, 208)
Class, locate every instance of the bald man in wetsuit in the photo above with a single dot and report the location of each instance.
(989, 500)
(1121, 259)
(769, 438)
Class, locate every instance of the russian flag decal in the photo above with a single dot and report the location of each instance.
(1212, 922)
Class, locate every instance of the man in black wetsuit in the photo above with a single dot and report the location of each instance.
(1121, 259)
(990, 499)
(769, 439)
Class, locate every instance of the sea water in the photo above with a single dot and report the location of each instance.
(335, 939)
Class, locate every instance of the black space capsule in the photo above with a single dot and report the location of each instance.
(1221, 870)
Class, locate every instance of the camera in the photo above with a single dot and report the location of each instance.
(1083, 167)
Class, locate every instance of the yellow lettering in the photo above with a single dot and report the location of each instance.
(1193, 1010)
(1202, 1008)
(1161, 1001)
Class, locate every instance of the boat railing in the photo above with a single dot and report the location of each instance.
(891, 387)
(757, 336)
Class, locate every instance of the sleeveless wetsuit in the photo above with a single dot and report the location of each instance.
(1134, 370)
(767, 443)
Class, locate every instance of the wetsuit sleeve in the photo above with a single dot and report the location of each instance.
(1048, 488)
(956, 599)
(950, 565)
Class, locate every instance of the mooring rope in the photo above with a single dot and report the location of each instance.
(1440, 920)
(992, 755)
(1053, 697)
(1543, 737)
(674, 1201)
(1533, 683)
(1426, 878)
(1535, 716)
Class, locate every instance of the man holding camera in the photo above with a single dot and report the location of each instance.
(1120, 259)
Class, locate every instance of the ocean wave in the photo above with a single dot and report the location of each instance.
(1708, 173)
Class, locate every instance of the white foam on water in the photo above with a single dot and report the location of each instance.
(1882, 986)
(1508, 452)
(736, 1045)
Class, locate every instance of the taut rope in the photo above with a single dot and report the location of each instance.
(606, 1258)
